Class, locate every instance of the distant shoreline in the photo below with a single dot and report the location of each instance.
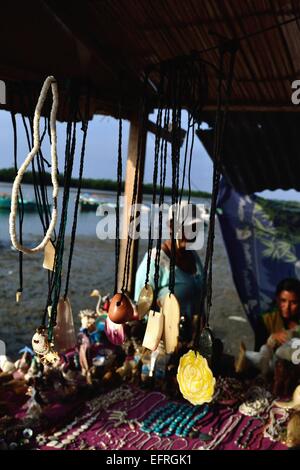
(7, 175)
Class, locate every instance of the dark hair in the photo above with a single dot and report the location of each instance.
(289, 284)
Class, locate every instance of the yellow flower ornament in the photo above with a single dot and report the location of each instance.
(195, 379)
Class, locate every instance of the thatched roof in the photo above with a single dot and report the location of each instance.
(99, 41)
(260, 151)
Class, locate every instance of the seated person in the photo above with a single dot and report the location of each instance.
(275, 330)
(188, 272)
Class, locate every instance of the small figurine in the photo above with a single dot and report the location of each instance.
(293, 431)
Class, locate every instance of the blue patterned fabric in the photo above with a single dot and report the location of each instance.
(262, 239)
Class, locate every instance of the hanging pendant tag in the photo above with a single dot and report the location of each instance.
(171, 315)
(49, 256)
(154, 356)
(205, 345)
(120, 309)
(145, 301)
(115, 333)
(154, 330)
(49, 310)
(18, 296)
(64, 331)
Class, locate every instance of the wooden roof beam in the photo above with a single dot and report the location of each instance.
(74, 23)
(151, 127)
(262, 107)
(213, 21)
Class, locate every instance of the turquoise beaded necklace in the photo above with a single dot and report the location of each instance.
(174, 418)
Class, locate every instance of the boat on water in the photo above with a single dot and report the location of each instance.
(5, 203)
(205, 214)
(90, 202)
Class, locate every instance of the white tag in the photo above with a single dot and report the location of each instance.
(154, 330)
(49, 256)
(171, 313)
(154, 355)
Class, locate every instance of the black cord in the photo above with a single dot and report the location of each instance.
(220, 124)
(56, 276)
(155, 175)
(163, 170)
(141, 122)
(119, 192)
(84, 129)
(56, 287)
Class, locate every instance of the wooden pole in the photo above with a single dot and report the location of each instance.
(131, 168)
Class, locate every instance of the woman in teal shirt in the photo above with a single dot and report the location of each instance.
(188, 274)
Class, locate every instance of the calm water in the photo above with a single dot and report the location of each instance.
(87, 221)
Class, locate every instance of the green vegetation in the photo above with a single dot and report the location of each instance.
(7, 175)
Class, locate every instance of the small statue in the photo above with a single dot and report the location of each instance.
(293, 431)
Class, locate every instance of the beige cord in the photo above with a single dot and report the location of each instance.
(50, 81)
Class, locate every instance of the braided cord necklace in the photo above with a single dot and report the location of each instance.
(206, 294)
(20, 207)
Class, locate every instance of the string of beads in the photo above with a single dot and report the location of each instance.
(174, 418)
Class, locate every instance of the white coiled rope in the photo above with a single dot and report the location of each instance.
(50, 81)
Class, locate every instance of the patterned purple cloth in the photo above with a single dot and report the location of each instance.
(103, 435)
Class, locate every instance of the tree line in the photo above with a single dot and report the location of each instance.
(7, 175)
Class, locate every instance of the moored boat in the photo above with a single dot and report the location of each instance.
(5, 203)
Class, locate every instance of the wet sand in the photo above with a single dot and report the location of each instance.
(93, 268)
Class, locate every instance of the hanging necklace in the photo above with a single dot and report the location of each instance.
(121, 309)
(20, 211)
(50, 81)
(146, 296)
(203, 341)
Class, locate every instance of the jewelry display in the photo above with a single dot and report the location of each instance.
(95, 406)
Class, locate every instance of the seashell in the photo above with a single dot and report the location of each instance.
(145, 301)
(120, 309)
(40, 343)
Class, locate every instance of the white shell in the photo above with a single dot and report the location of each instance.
(40, 343)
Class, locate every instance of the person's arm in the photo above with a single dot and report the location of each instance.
(278, 338)
(261, 334)
(140, 278)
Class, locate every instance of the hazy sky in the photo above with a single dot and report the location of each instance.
(101, 153)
